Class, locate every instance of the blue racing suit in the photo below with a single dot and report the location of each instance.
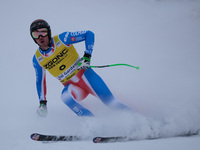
(61, 61)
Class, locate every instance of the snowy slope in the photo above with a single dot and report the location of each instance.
(160, 36)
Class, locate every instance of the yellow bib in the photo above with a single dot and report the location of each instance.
(62, 61)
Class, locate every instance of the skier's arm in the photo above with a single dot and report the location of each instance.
(79, 36)
(40, 80)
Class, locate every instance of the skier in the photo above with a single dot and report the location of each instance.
(58, 56)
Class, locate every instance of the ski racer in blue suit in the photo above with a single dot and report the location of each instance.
(58, 56)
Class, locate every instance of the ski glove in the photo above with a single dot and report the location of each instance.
(42, 109)
(84, 62)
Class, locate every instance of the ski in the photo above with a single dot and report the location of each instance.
(55, 138)
(110, 139)
(49, 138)
(126, 139)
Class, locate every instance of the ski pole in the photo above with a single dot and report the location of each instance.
(136, 67)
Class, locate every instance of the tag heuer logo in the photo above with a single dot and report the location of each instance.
(40, 59)
(58, 44)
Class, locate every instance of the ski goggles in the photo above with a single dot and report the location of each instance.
(40, 32)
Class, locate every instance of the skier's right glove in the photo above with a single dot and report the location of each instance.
(42, 109)
(84, 62)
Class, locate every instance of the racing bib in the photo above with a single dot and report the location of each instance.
(62, 62)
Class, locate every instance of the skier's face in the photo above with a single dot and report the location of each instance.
(41, 37)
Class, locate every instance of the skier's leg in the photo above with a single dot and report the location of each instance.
(69, 94)
(102, 91)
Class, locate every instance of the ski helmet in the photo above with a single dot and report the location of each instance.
(40, 23)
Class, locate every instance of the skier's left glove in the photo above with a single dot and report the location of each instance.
(84, 62)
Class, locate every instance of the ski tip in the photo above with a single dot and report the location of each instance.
(35, 136)
(97, 140)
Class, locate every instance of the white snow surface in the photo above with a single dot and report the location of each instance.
(160, 36)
